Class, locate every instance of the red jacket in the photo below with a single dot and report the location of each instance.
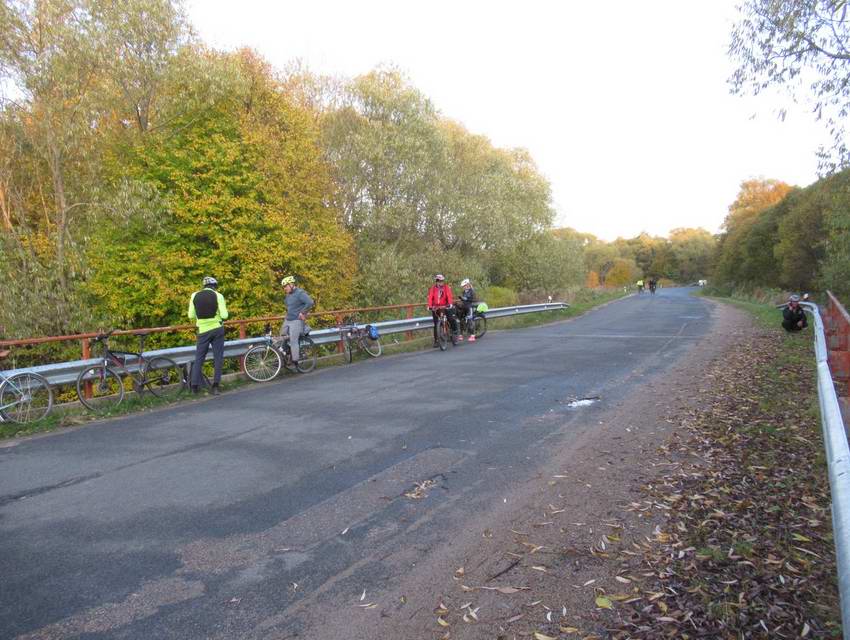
(435, 301)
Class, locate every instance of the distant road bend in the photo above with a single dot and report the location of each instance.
(251, 514)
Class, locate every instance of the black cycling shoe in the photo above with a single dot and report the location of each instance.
(195, 391)
(215, 390)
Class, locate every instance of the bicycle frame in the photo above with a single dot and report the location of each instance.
(112, 359)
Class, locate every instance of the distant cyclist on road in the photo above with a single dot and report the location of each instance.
(440, 295)
(298, 303)
(640, 285)
(653, 284)
(207, 307)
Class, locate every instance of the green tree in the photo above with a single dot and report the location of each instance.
(242, 188)
(544, 264)
(693, 250)
(754, 197)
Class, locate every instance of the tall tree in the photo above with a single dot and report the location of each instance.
(50, 51)
(754, 197)
(693, 250)
(802, 47)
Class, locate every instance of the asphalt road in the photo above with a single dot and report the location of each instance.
(243, 515)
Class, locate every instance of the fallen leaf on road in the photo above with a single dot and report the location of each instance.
(506, 590)
(603, 603)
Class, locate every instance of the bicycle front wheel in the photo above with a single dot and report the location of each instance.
(163, 378)
(307, 355)
(25, 398)
(99, 388)
(443, 335)
(372, 347)
(262, 363)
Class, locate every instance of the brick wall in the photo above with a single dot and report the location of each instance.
(837, 325)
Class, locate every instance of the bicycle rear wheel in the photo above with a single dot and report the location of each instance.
(25, 398)
(262, 363)
(105, 392)
(479, 326)
(163, 378)
(372, 347)
(307, 355)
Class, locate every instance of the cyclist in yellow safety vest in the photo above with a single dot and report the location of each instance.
(209, 310)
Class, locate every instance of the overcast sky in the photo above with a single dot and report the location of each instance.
(624, 105)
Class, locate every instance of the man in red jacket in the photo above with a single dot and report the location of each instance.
(440, 295)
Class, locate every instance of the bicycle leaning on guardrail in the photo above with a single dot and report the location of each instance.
(477, 324)
(264, 361)
(361, 337)
(24, 397)
(101, 387)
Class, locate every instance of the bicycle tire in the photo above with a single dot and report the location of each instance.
(479, 327)
(20, 393)
(163, 378)
(372, 347)
(187, 377)
(442, 335)
(307, 355)
(348, 351)
(262, 363)
(107, 388)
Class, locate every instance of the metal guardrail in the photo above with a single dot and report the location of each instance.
(838, 465)
(67, 372)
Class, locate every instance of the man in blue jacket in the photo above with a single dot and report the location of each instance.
(298, 304)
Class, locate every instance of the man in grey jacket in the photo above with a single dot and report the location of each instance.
(298, 303)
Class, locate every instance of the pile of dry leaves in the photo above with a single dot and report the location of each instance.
(747, 550)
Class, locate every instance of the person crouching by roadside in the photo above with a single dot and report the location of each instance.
(298, 303)
(793, 316)
(208, 308)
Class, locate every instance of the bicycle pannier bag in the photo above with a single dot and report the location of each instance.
(206, 304)
(373, 332)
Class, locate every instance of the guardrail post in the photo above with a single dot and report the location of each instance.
(340, 346)
(86, 355)
(243, 333)
(409, 334)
